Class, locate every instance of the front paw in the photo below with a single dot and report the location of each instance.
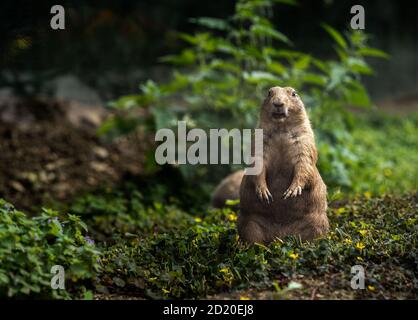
(293, 191)
(264, 194)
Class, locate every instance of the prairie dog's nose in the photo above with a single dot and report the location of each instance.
(278, 104)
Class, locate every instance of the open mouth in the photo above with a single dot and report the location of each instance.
(279, 115)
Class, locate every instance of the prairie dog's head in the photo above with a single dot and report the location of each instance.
(282, 105)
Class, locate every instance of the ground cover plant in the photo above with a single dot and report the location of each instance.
(175, 254)
(204, 256)
(30, 247)
(154, 236)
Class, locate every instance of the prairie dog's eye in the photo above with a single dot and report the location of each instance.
(294, 94)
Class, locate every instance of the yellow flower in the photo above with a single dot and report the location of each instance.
(368, 194)
(232, 217)
(22, 43)
(244, 298)
(348, 241)
(395, 237)
(360, 245)
(293, 256)
(362, 232)
(371, 288)
(224, 270)
(340, 210)
(166, 291)
(197, 219)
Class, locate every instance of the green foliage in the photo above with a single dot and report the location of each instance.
(205, 257)
(127, 214)
(388, 147)
(379, 152)
(220, 79)
(140, 206)
(29, 247)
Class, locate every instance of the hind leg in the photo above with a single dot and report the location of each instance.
(317, 227)
(308, 228)
(250, 231)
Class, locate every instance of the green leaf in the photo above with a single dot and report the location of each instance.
(302, 63)
(117, 125)
(186, 57)
(268, 31)
(224, 65)
(88, 295)
(230, 202)
(288, 2)
(179, 82)
(257, 76)
(212, 23)
(276, 67)
(335, 35)
(314, 79)
(373, 52)
(359, 66)
(356, 95)
(191, 39)
(129, 101)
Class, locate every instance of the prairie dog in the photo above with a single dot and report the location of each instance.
(288, 197)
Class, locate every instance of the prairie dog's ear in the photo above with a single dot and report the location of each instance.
(270, 92)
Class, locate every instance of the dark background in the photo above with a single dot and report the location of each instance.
(109, 47)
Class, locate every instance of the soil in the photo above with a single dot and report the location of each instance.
(50, 151)
(333, 286)
(397, 105)
(401, 105)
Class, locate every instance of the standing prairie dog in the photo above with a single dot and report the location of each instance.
(288, 197)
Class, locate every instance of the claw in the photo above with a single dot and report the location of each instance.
(292, 192)
(287, 193)
(264, 195)
(268, 195)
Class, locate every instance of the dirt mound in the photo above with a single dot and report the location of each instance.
(402, 104)
(49, 150)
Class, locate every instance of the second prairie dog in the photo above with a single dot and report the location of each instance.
(288, 197)
(228, 189)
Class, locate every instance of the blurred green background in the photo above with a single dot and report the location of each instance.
(121, 40)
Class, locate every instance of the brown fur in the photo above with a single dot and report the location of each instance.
(228, 189)
(288, 197)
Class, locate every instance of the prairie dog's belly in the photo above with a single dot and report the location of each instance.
(281, 164)
(279, 176)
(278, 180)
(282, 153)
